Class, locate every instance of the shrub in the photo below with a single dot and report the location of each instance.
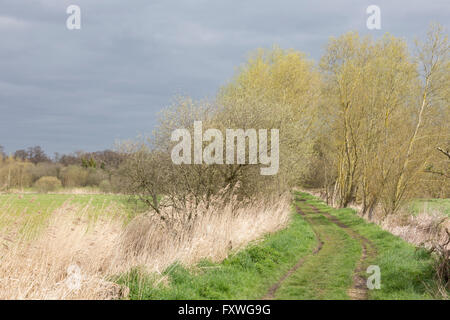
(95, 177)
(74, 176)
(105, 186)
(44, 169)
(46, 184)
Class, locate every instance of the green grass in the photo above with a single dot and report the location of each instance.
(406, 272)
(417, 206)
(248, 274)
(33, 202)
(31, 210)
(328, 274)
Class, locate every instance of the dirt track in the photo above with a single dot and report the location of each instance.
(358, 290)
(271, 293)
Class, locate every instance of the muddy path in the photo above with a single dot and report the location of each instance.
(358, 289)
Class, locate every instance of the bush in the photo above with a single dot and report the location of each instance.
(46, 184)
(45, 169)
(74, 176)
(105, 186)
(95, 177)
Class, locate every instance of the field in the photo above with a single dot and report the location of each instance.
(33, 203)
(44, 238)
(322, 254)
(307, 273)
(192, 157)
(32, 211)
(418, 206)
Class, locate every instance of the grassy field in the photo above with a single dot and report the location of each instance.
(33, 203)
(244, 275)
(418, 206)
(31, 211)
(42, 237)
(406, 272)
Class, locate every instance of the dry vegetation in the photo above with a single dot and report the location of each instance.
(40, 266)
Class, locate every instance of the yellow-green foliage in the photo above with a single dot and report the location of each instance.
(14, 173)
(386, 115)
(47, 184)
(74, 176)
(364, 125)
(275, 89)
(45, 169)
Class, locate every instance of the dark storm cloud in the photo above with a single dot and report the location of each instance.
(83, 89)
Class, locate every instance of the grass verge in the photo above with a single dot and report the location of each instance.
(246, 274)
(406, 271)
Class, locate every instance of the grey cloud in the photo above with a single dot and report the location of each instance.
(70, 90)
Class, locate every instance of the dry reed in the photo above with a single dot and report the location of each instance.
(75, 255)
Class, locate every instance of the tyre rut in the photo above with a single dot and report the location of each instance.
(273, 289)
(358, 290)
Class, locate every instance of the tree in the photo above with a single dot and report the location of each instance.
(433, 58)
(366, 85)
(21, 154)
(274, 89)
(381, 142)
(37, 155)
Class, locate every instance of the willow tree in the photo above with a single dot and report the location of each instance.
(431, 114)
(366, 85)
(384, 120)
(275, 89)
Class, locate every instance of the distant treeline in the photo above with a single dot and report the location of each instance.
(26, 167)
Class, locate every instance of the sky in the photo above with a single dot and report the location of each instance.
(69, 90)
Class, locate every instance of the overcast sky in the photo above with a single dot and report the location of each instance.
(69, 90)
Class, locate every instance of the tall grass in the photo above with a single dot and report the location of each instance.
(40, 266)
